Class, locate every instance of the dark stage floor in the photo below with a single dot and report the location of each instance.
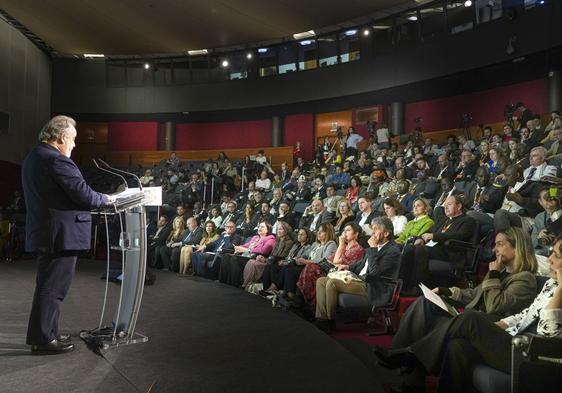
(203, 337)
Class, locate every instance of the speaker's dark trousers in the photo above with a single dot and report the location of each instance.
(54, 275)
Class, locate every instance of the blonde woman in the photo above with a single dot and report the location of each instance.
(209, 236)
(344, 215)
(173, 241)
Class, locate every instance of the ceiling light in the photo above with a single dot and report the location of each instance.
(224, 63)
(197, 52)
(413, 18)
(262, 50)
(306, 42)
(366, 32)
(351, 32)
(93, 55)
(467, 3)
(381, 27)
(146, 66)
(306, 34)
(249, 56)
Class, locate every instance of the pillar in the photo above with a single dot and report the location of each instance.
(554, 98)
(167, 136)
(397, 118)
(277, 131)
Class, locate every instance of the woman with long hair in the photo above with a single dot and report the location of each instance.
(186, 252)
(352, 192)
(508, 287)
(254, 268)
(247, 221)
(421, 222)
(173, 240)
(347, 252)
(395, 212)
(344, 214)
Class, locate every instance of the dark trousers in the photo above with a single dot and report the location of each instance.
(231, 268)
(415, 264)
(288, 278)
(54, 275)
(270, 275)
(170, 257)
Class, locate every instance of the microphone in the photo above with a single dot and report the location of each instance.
(110, 172)
(123, 172)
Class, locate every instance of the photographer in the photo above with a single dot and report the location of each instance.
(351, 143)
(542, 235)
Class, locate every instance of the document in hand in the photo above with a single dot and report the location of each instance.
(437, 300)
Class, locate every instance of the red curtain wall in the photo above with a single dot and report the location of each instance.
(232, 135)
(300, 128)
(132, 136)
(484, 106)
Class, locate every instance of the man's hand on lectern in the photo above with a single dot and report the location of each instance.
(111, 199)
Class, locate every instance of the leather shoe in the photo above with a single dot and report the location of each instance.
(64, 338)
(402, 358)
(53, 348)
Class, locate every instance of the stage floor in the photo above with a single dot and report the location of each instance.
(203, 337)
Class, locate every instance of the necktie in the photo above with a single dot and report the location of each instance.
(531, 173)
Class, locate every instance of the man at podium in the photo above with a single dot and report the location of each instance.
(58, 226)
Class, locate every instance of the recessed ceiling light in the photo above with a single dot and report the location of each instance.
(224, 63)
(146, 66)
(467, 3)
(197, 52)
(306, 42)
(249, 55)
(305, 34)
(413, 18)
(93, 55)
(262, 50)
(366, 32)
(351, 32)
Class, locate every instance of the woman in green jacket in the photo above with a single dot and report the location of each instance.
(420, 224)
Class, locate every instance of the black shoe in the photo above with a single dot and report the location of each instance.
(53, 348)
(64, 338)
(402, 358)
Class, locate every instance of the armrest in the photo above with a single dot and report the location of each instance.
(460, 244)
(540, 347)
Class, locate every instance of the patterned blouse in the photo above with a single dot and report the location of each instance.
(550, 321)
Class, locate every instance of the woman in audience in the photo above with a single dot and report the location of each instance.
(507, 288)
(347, 252)
(352, 192)
(264, 182)
(516, 150)
(215, 216)
(483, 151)
(232, 265)
(421, 222)
(254, 268)
(246, 223)
(209, 236)
(344, 215)
(394, 210)
(173, 240)
(285, 273)
(492, 164)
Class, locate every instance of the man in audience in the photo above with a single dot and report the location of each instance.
(543, 234)
(538, 165)
(285, 215)
(264, 214)
(146, 178)
(332, 200)
(171, 255)
(319, 191)
(366, 216)
(314, 215)
(405, 198)
(340, 179)
(443, 167)
(159, 239)
(284, 173)
(351, 142)
(206, 259)
(276, 198)
(466, 169)
(180, 212)
(382, 259)
(302, 193)
(231, 215)
(431, 245)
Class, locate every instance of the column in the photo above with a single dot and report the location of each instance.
(167, 136)
(397, 118)
(554, 98)
(277, 131)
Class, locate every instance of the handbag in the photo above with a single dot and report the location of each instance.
(325, 266)
(345, 275)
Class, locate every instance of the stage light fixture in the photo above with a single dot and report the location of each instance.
(468, 3)
(249, 56)
(366, 32)
(413, 18)
(224, 63)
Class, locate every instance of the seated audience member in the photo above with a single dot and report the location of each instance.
(420, 224)
(232, 265)
(254, 268)
(332, 200)
(230, 215)
(314, 215)
(554, 152)
(366, 215)
(173, 241)
(415, 258)
(447, 189)
(146, 178)
(158, 240)
(173, 161)
(405, 198)
(340, 179)
(264, 182)
(479, 338)
(198, 213)
(180, 212)
(247, 221)
(302, 193)
(352, 192)
(542, 235)
(393, 210)
(215, 216)
(207, 257)
(210, 235)
(284, 215)
(284, 173)
(466, 169)
(344, 215)
(284, 273)
(381, 260)
(494, 154)
(318, 189)
(480, 196)
(276, 199)
(538, 165)
(443, 167)
(348, 252)
(264, 214)
(520, 205)
(191, 236)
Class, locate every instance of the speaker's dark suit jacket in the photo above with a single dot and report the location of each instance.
(383, 263)
(58, 202)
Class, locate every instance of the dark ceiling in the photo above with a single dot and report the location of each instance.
(127, 27)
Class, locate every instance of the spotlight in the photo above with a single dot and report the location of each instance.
(350, 33)
(366, 32)
(225, 63)
(249, 56)
(146, 66)
(467, 3)
(413, 18)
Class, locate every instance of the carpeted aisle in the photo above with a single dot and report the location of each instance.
(203, 337)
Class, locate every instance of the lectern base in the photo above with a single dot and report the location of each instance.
(103, 339)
